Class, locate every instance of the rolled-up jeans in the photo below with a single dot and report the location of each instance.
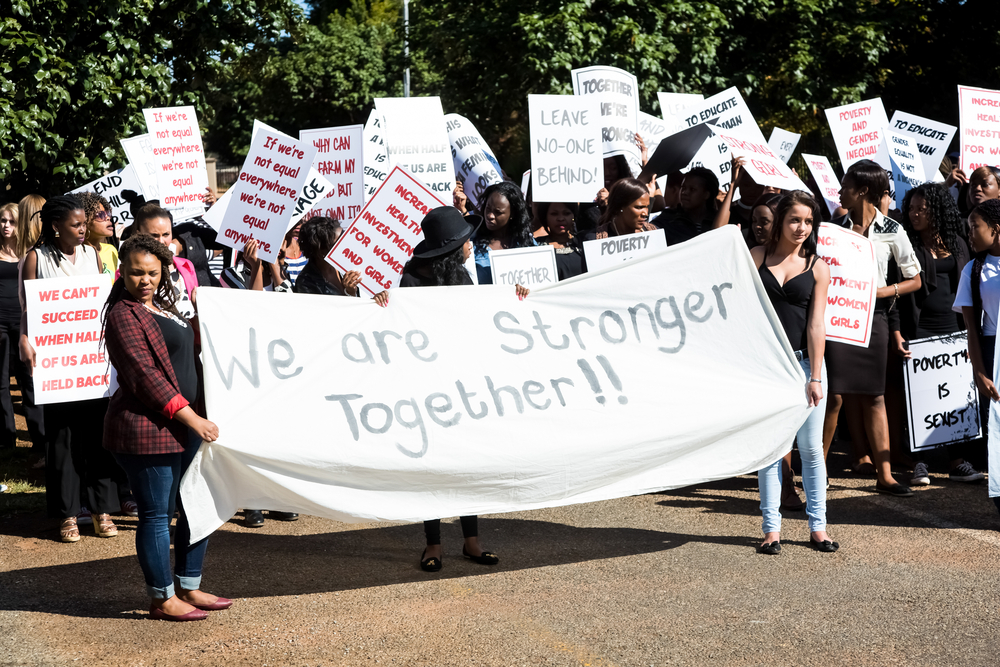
(810, 442)
(155, 479)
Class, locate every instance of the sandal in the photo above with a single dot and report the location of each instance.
(104, 526)
(69, 531)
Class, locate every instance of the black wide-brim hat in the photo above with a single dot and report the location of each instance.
(445, 229)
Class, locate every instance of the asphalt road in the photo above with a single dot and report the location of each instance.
(661, 579)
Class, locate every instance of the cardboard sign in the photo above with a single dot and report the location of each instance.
(727, 111)
(139, 151)
(761, 164)
(907, 167)
(567, 163)
(618, 94)
(417, 140)
(375, 154)
(381, 239)
(979, 117)
(826, 179)
(673, 106)
(858, 131)
(64, 325)
(340, 161)
(783, 143)
(933, 138)
(266, 193)
(524, 266)
(110, 187)
(179, 156)
(614, 251)
(942, 401)
(851, 300)
(525, 180)
(475, 165)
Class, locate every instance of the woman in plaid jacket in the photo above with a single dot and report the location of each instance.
(151, 426)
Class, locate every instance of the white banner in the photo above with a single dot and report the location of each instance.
(858, 131)
(417, 140)
(942, 401)
(850, 303)
(673, 106)
(375, 154)
(933, 139)
(64, 326)
(618, 94)
(110, 187)
(465, 400)
(979, 116)
(826, 179)
(179, 156)
(340, 160)
(613, 251)
(783, 143)
(565, 139)
(475, 165)
(528, 267)
(907, 167)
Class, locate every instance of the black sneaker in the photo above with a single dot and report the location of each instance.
(920, 476)
(282, 516)
(964, 472)
(253, 518)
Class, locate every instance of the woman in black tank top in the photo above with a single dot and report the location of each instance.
(796, 282)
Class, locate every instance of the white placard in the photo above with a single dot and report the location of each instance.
(652, 130)
(618, 93)
(380, 241)
(979, 117)
(850, 302)
(760, 163)
(375, 154)
(64, 327)
(942, 401)
(673, 106)
(139, 151)
(783, 143)
(417, 140)
(566, 158)
(726, 111)
(179, 156)
(933, 138)
(528, 267)
(110, 187)
(525, 180)
(826, 179)
(455, 400)
(907, 167)
(858, 131)
(614, 251)
(475, 165)
(340, 161)
(266, 193)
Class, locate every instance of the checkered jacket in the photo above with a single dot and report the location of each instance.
(140, 415)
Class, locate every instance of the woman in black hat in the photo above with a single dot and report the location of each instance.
(440, 260)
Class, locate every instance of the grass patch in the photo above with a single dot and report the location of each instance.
(27, 486)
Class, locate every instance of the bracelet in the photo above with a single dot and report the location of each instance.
(896, 287)
(815, 380)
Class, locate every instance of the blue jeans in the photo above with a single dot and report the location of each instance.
(155, 479)
(810, 441)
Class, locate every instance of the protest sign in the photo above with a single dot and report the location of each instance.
(907, 167)
(64, 327)
(110, 187)
(760, 163)
(726, 111)
(465, 400)
(139, 151)
(676, 151)
(417, 140)
(525, 180)
(265, 194)
(942, 401)
(850, 302)
(858, 131)
(340, 161)
(618, 94)
(179, 157)
(673, 106)
(979, 119)
(783, 143)
(826, 179)
(653, 130)
(565, 139)
(375, 154)
(475, 165)
(380, 241)
(933, 138)
(528, 267)
(614, 251)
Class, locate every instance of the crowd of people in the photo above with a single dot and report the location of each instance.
(938, 272)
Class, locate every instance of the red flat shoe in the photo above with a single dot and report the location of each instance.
(218, 605)
(158, 614)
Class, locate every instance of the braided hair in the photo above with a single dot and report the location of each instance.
(942, 210)
(55, 210)
(164, 298)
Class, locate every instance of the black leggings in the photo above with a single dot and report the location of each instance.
(432, 529)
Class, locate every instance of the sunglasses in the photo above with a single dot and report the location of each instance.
(102, 215)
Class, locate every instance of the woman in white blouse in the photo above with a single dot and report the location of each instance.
(857, 375)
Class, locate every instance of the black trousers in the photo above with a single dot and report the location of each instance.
(11, 364)
(432, 529)
(76, 464)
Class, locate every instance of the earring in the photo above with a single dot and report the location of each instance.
(56, 232)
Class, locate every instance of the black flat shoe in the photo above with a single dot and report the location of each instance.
(283, 516)
(771, 548)
(825, 546)
(253, 518)
(432, 564)
(897, 490)
(486, 558)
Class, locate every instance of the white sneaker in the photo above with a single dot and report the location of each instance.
(920, 476)
(3, 488)
(964, 472)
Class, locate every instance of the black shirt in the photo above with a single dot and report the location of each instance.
(180, 346)
(411, 278)
(936, 316)
(570, 260)
(10, 305)
(680, 227)
(791, 302)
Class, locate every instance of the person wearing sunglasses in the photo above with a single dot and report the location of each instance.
(101, 230)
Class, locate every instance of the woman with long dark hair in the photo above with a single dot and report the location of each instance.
(507, 225)
(152, 426)
(627, 211)
(698, 205)
(558, 219)
(796, 281)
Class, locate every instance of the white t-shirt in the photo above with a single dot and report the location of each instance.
(989, 290)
